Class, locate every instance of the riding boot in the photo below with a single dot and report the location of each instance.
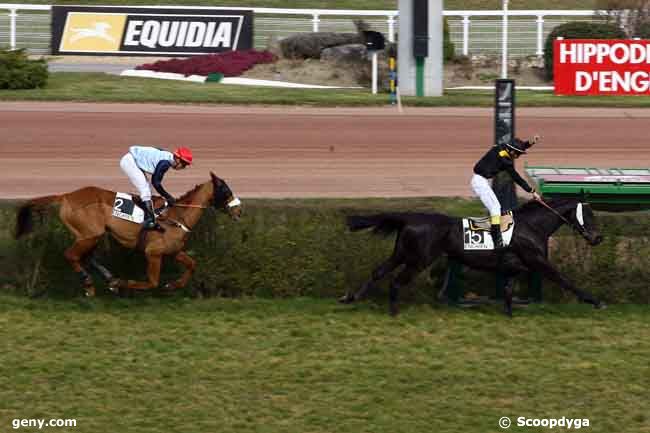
(495, 231)
(149, 216)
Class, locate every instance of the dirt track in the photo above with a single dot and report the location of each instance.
(298, 152)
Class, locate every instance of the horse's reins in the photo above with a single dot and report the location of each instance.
(178, 223)
(569, 223)
(197, 206)
(234, 202)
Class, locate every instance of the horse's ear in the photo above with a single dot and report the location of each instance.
(214, 177)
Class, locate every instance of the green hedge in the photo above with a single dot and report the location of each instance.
(448, 49)
(284, 248)
(578, 30)
(18, 72)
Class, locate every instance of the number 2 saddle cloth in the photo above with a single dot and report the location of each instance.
(476, 232)
(125, 208)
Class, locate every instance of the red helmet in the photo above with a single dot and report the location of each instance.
(184, 154)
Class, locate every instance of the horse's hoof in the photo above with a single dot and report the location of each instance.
(394, 311)
(600, 306)
(346, 299)
(114, 286)
(90, 292)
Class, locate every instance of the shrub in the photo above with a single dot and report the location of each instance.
(230, 64)
(578, 30)
(17, 71)
(448, 48)
(643, 30)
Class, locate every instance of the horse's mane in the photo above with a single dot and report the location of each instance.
(190, 192)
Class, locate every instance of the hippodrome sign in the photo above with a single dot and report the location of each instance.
(149, 31)
(601, 67)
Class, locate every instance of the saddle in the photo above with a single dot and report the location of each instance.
(476, 232)
(484, 224)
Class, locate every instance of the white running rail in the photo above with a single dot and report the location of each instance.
(473, 32)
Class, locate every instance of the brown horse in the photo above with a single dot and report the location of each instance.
(87, 213)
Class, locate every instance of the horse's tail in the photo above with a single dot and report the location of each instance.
(25, 218)
(384, 224)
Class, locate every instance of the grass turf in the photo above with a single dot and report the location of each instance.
(306, 365)
(97, 87)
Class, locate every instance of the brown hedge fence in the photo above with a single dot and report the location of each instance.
(285, 248)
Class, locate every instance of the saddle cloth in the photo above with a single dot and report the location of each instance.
(476, 232)
(125, 208)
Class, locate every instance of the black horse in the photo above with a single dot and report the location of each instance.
(423, 237)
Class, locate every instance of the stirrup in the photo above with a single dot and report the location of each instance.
(497, 236)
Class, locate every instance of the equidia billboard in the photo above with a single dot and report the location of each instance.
(149, 31)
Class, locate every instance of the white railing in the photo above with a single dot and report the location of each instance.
(471, 31)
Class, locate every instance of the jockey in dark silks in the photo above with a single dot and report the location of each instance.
(143, 159)
(498, 159)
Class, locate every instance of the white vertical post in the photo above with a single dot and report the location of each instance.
(391, 28)
(374, 72)
(12, 29)
(315, 22)
(540, 35)
(465, 35)
(504, 42)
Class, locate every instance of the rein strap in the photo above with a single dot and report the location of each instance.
(197, 206)
(569, 223)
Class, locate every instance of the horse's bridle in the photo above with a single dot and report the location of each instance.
(581, 230)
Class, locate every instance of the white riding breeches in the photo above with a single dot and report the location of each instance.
(481, 187)
(136, 176)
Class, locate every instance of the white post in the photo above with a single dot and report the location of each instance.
(391, 28)
(12, 29)
(540, 35)
(465, 35)
(374, 72)
(315, 22)
(504, 45)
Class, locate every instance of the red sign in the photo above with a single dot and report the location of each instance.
(601, 67)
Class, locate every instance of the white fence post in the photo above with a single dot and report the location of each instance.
(12, 28)
(540, 35)
(465, 35)
(391, 28)
(315, 22)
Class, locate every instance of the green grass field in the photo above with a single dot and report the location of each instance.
(306, 365)
(93, 87)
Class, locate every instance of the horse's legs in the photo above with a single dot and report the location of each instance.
(75, 254)
(402, 279)
(113, 282)
(547, 270)
(183, 258)
(153, 274)
(379, 273)
(507, 296)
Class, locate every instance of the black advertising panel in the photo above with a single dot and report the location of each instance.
(149, 31)
(504, 112)
(504, 133)
(420, 28)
